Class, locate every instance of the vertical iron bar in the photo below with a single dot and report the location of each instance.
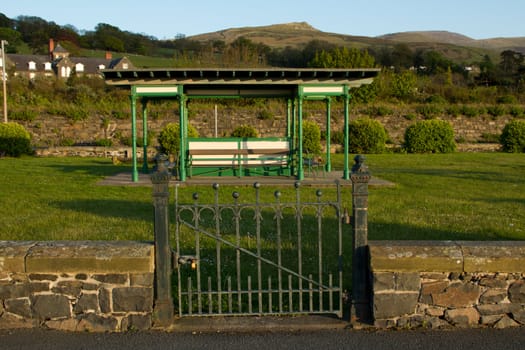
(331, 293)
(270, 297)
(258, 234)
(299, 215)
(230, 300)
(311, 292)
(320, 245)
(177, 248)
(340, 248)
(217, 214)
(210, 298)
(190, 297)
(278, 217)
(250, 294)
(290, 293)
(196, 214)
(238, 245)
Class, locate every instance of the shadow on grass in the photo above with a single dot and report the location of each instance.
(92, 167)
(124, 209)
(493, 176)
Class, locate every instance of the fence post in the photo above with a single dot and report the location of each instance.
(163, 307)
(360, 176)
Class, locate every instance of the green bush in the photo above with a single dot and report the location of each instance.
(496, 110)
(470, 111)
(513, 136)
(311, 137)
(430, 136)
(26, 114)
(265, 115)
(429, 110)
(337, 137)
(169, 137)
(516, 111)
(244, 131)
(366, 136)
(15, 140)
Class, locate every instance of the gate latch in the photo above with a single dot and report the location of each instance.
(184, 260)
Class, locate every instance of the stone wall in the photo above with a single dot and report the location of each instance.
(439, 284)
(76, 286)
(51, 131)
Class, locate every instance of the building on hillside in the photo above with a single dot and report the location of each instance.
(60, 64)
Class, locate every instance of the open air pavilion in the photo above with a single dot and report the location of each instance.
(237, 157)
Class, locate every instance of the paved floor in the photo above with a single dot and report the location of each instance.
(124, 179)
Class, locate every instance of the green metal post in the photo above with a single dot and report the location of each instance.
(288, 118)
(182, 135)
(346, 171)
(145, 169)
(328, 165)
(134, 170)
(300, 170)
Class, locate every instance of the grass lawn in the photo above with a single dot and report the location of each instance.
(471, 196)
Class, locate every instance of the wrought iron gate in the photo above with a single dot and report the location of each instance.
(245, 256)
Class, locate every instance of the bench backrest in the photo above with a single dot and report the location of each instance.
(246, 152)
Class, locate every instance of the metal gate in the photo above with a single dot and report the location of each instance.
(260, 254)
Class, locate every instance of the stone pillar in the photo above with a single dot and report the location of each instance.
(360, 177)
(163, 307)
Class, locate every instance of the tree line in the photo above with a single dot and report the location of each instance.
(408, 69)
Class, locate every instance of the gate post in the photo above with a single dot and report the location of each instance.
(163, 305)
(360, 177)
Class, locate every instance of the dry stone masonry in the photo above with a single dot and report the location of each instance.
(447, 284)
(76, 286)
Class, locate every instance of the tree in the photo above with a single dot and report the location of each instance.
(343, 58)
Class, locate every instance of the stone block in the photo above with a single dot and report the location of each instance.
(500, 256)
(13, 291)
(71, 288)
(390, 305)
(142, 279)
(13, 254)
(67, 325)
(96, 323)
(506, 322)
(86, 303)
(464, 317)
(517, 292)
(104, 299)
(382, 281)
(498, 309)
(111, 278)
(457, 295)
(136, 323)
(493, 296)
(90, 257)
(134, 299)
(493, 282)
(519, 316)
(408, 281)
(420, 256)
(19, 307)
(51, 306)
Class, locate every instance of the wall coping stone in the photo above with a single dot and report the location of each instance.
(76, 256)
(450, 256)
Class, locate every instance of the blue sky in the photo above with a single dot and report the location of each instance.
(164, 19)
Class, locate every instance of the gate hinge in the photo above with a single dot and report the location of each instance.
(179, 260)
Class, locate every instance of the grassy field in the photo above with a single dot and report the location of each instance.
(471, 196)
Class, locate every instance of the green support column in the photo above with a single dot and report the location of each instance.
(134, 170)
(300, 170)
(328, 165)
(145, 169)
(288, 118)
(346, 171)
(182, 135)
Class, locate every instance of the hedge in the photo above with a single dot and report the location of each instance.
(15, 140)
(366, 136)
(513, 136)
(430, 136)
(169, 137)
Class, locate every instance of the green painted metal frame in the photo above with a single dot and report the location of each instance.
(294, 131)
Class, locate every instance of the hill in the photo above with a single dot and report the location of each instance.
(454, 46)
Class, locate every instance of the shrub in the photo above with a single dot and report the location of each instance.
(337, 137)
(244, 131)
(311, 137)
(512, 138)
(429, 110)
(26, 114)
(15, 140)
(434, 136)
(366, 136)
(496, 110)
(265, 115)
(507, 99)
(470, 111)
(516, 111)
(169, 138)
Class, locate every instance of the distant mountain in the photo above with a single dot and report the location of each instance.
(454, 46)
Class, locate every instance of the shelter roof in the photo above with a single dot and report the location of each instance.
(240, 76)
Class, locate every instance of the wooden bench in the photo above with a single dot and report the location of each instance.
(237, 154)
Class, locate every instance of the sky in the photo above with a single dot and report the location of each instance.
(165, 19)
